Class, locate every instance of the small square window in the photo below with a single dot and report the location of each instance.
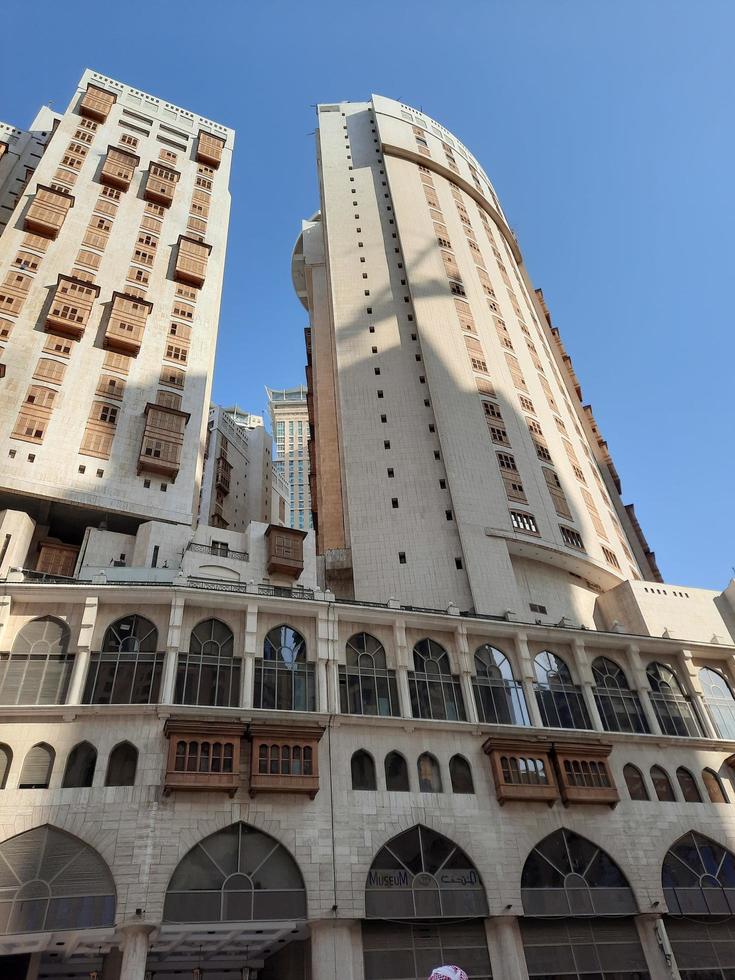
(442, 484)
(374, 350)
(432, 427)
(377, 371)
(100, 474)
(164, 487)
(417, 356)
(394, 503)
(410, 318)
(380, 393)
(448, 515)
(31, 457)
(364, 275)
(383, 418)
(12, 453)
(402, 557)
(436, 454)
(458, 563)
(427, 403)
(359, 245)
(371, 328)
(82, 469)
(367, 291)
(386, 444)
(391, 473)
(362, 258)
(147, 484)
(422, 380)
(369, 309)
(413, 336)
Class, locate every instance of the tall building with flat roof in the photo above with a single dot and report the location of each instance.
(290, 423)
(111, 267)
(454, 458)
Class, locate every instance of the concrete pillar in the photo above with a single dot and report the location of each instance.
(34, 965)
(403, 664)
(466, 667)
(336, 950)
(404, 692)
(84, 644)
(111, 963)
(468, 694)
(134, 952)
(322, 701)
(589, 699)
(525, 668)
(5, 607)
(173, 645)
(504, 941)
(656, 949)
(640, 683)
(586, 680)
(249, 654)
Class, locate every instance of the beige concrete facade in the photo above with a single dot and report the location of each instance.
(290, 423)
(79, 443)
(454, 458)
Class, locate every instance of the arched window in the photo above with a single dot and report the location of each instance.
(122, 765)
(56, 882)
(38, 669)
(714, 787)
(560, 701)
(396, 773)
(698, 877)
(673, 708)
(460, 773)
(567, 875)
(498, 695)
(619, 707)
(720, 702)
(430, 778)
(366, 686)
(363, 771)
(37, 767)
(80, 766)
(435, 691)
(128, 669)
(6, 759)
(422, 875)
(662, 785)
(283, 677)
(635, 783)
(238, 874)
(208, 673)
(688, 786)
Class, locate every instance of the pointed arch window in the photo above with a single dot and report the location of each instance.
(714, 787)
(209, 674)
(560, 701)
(620, 708)
(122, 765)
(237, 874)
(421, 874)
(662, 785)
(673, 708)
(635, 782)
(366, 686)
(720, 702)
(688, 786)
(498, 695)
(128, 668)
(80, 766)
(435, 690)
(6, 760)
(37, 767)
(567, 875)
(460, 773)
(363, 771)
(396, 773)
(38, 668)
(53, 882)
(698, 877)
(284, 679)
(430, 777)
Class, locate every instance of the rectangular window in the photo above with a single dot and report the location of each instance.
(522, 521)
(571, 537)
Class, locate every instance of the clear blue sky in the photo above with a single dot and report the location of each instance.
(606, 126)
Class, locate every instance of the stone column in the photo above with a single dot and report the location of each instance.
(134, 952)
(173, 645)
(527, 676)
(656, 949)
(336, 950)
(249, 654)
(504, 941)
(584, 672)
(466, 664)
(642, 688)
(402, 667)
(81, 660)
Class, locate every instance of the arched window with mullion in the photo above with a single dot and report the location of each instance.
(435, 691)
(674, 710)
(498, 695)
(366, 686)
(619, 707)
(208, 673)
(128, 668)
(38, 668)
(284, 679)
(560, 701)
(718, 698)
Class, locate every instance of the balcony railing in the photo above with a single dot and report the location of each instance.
(218, 550)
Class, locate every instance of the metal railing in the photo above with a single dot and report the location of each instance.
(207, 549)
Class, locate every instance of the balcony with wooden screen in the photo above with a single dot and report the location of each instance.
(71, 307)
(57, 558)
(584, 774)
(284, 759)
(118, 168)
(3, 149)
(126, 324)
(203, 756)
(97, 103)
(163, 438)
(522, 769)
(191, 261)
(285, 550)
(47, 211)
(223, 469)
(161, 184)
(209, 149)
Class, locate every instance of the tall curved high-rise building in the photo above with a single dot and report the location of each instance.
(453, 459)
